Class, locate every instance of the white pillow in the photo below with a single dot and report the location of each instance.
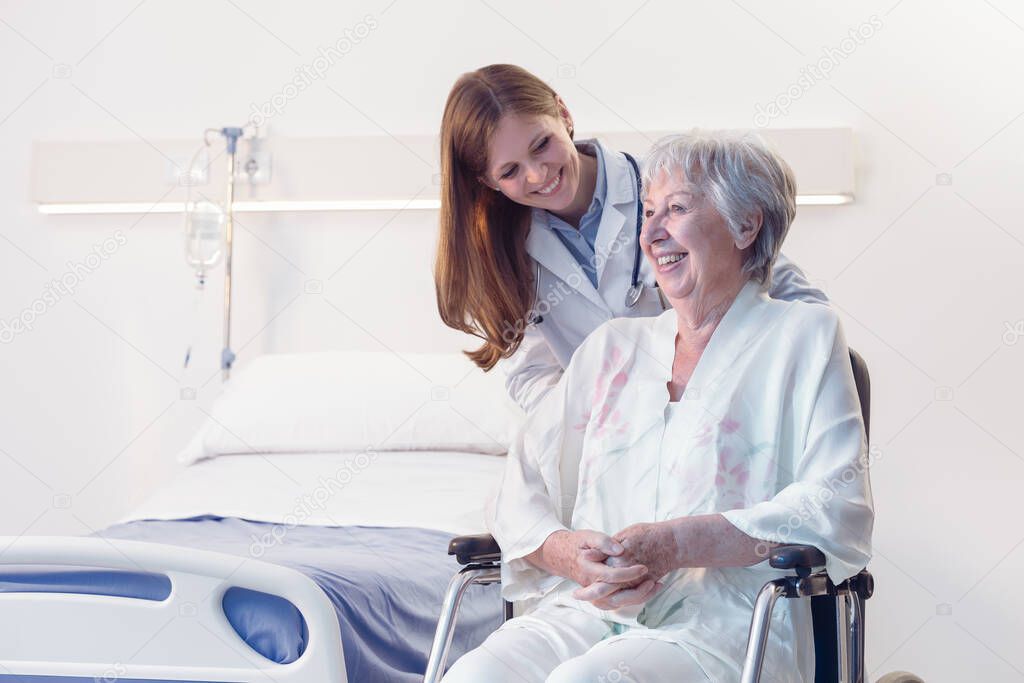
(354, 401)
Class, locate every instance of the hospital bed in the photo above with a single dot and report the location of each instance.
(300, 543)
(837, 611)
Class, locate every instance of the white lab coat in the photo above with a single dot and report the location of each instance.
(571, 307)
(769, 434)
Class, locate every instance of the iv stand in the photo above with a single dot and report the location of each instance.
(227, 356)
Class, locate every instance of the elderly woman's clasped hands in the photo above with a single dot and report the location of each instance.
(614, 571)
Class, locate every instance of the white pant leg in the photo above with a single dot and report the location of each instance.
(631, 660)
(527, 648)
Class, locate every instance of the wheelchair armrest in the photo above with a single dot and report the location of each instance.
(474, 549)
(802, 558)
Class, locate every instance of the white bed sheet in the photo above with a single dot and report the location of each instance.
(433, 490)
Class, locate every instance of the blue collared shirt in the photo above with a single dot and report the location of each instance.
(580, 243)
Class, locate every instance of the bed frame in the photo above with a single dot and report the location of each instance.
(185, 637)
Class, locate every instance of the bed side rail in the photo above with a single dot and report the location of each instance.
(183, 637)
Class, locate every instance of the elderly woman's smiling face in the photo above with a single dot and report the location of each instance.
(688, 242)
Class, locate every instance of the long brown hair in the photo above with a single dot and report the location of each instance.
(483, 275)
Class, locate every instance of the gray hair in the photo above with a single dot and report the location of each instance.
(739, 174)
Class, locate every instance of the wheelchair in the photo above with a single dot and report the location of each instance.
(837, 611)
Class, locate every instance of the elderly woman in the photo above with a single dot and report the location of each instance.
(639, 506)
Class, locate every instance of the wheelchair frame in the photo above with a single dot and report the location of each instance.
(838, 611)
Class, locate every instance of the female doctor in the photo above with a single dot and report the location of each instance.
(539, 235)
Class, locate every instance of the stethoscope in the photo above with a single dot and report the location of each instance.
(636, 286)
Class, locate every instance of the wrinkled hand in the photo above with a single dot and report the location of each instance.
(583, 556)
(651, 545)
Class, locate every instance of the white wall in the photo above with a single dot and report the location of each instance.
(925, 274)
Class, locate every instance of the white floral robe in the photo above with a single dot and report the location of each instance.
(768, 433)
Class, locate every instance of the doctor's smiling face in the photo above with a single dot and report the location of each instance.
(688, 243)
(532, 161)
